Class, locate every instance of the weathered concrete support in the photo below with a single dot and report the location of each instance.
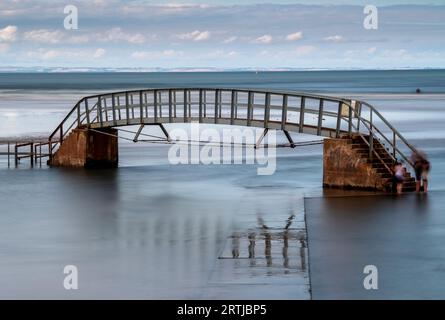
(88, 149)
(344, 168)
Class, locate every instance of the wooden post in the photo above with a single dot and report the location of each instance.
(9, 155)
(350, 120)
(394, 139)
(87, 112)
(250, 99)
(105, 108)
(113, 106)
(61, 134)
(78, 115)
(337, 131)
(141, 106)
(200, 105)
(31, 155)
(371, 137)
(155, 105)
(170, 105)
(159, 93)
(320, 117)
(127, 106)
(216, 105)
(267, 110)
(185, 105)
(99, 110)
(302, 106)
(16, 156)
(284, 112)
(232, 108)
(132, 105)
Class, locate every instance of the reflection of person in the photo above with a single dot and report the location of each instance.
(399, 176)
(422, 167)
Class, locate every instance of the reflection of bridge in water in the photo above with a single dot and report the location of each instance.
(374, 140)
(266, 242)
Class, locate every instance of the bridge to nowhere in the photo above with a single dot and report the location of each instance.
(360, 152)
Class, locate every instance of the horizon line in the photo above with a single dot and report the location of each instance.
(37, 69)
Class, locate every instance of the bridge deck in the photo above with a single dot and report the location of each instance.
(306, 129)
(305, 113)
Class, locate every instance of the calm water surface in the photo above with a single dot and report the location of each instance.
(153, 230)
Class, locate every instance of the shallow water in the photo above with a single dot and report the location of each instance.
(153, 230)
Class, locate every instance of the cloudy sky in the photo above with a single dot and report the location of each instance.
(220, 34)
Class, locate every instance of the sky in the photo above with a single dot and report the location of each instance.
(222, 35)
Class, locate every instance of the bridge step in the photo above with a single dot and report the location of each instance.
(383, 166)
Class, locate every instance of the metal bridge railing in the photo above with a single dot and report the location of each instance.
(289, 111)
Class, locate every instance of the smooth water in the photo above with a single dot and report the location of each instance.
(396, 81)
(153, 230)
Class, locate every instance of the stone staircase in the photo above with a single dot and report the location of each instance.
(362, 149)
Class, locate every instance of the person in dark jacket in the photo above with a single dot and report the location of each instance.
(422, 168)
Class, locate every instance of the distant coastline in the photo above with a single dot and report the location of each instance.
(38, 69)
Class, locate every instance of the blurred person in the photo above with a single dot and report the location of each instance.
(422, 168)
(399, 177)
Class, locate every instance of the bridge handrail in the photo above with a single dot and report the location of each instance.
(372, 130)
(245, 90)
(63, 132)
(396, 133)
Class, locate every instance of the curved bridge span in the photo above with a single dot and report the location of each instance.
(333, 117)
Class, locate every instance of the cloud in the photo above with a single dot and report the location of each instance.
(117, 34)
(397, 54)
(195, 35)
(336, 38)
(219, 54)
(99, 53)
(365, 52)
(230, 40)
(139, 8)
(65, 54)
(154, 26)
(140, 55)
(8, 34)
(44, 36)
(79, 39)
(50, 54)
(304, 50)
(144, 55)
(4, 47)
(371, 50)
(184, 6)
(266, 39)
(294, 36)
(43, 54)
(100, 3)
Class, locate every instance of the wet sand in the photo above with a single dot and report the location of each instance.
(402, 236)
(151, 230)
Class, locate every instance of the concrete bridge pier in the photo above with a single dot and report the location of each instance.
(344, 168)
(347, 164)
(87, 148)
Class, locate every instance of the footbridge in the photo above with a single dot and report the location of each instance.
(360, 152)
